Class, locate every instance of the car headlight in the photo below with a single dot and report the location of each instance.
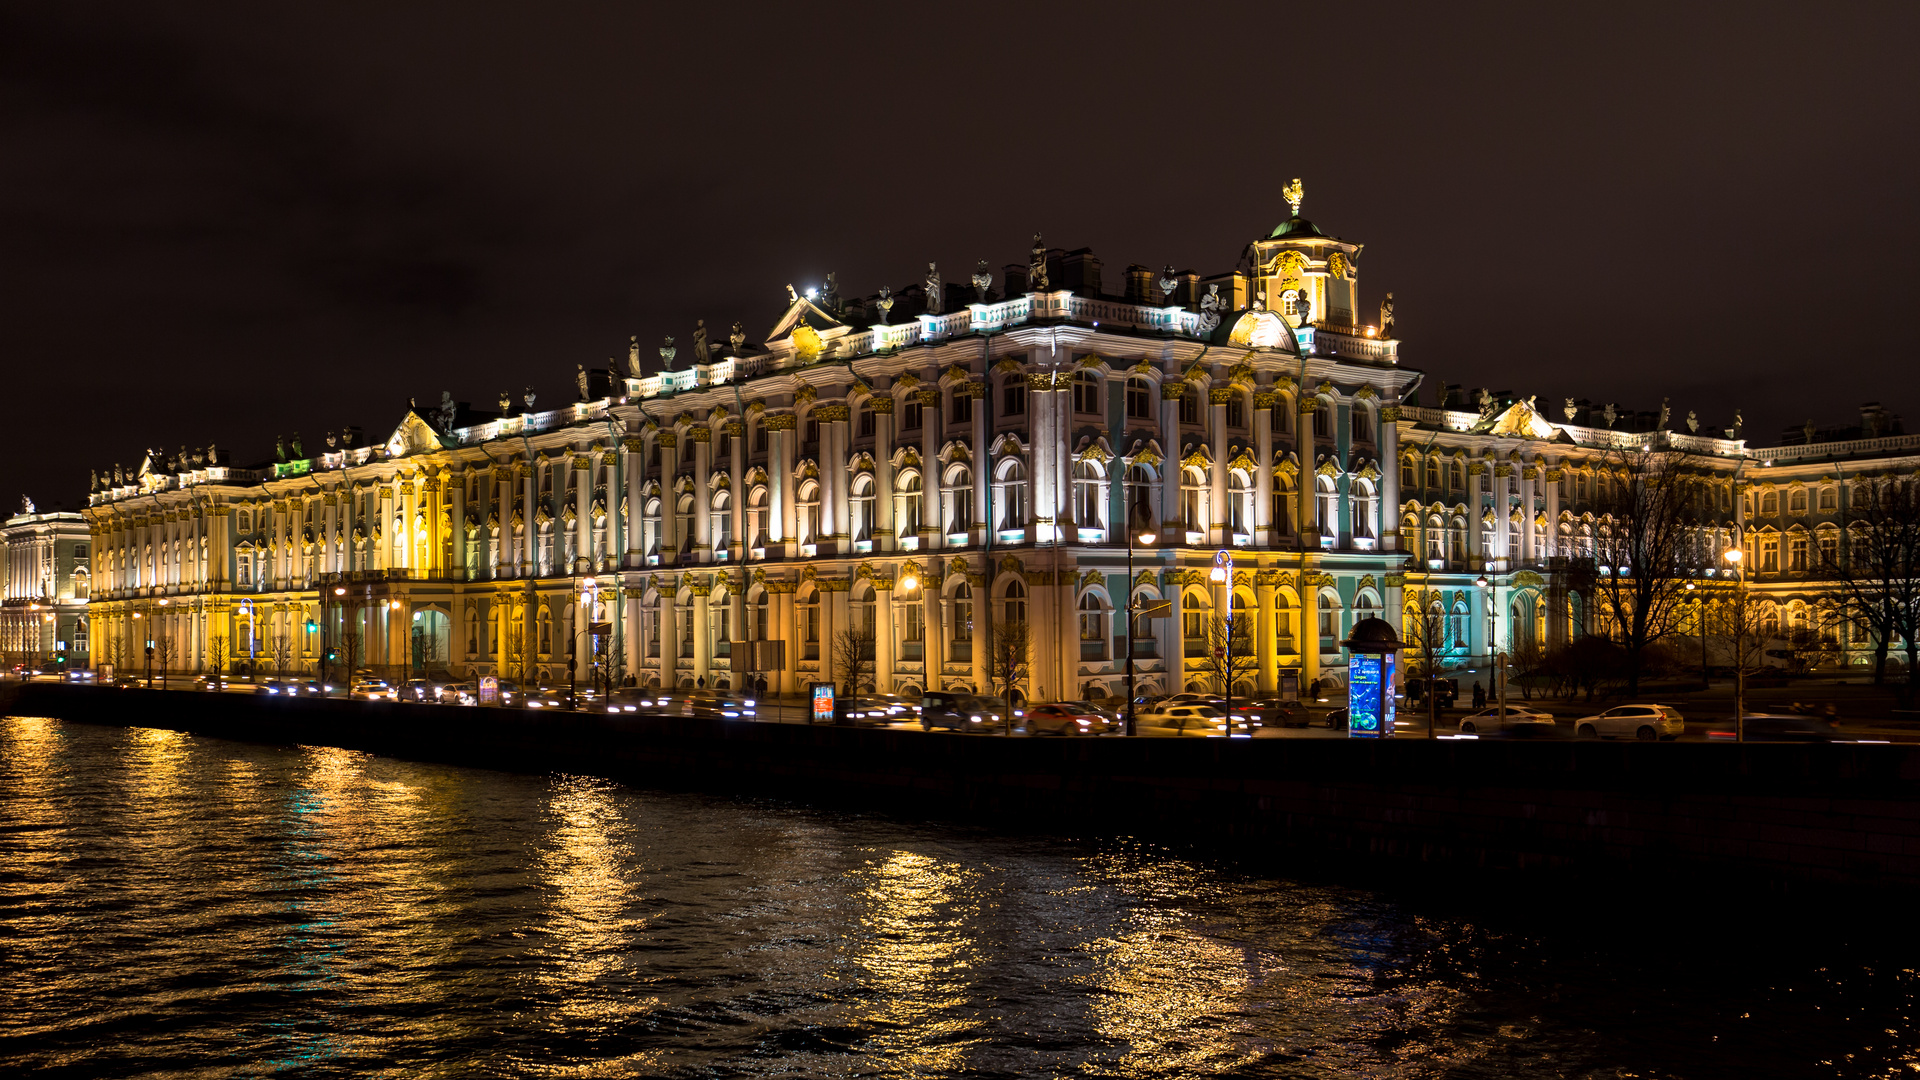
(975, 719)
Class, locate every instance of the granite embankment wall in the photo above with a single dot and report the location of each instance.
(1776, 815)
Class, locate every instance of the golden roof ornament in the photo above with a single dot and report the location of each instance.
(1294, 194)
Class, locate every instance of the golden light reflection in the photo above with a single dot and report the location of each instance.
(917, 950)
(1177, 995)
(585, 866)
(155, 757)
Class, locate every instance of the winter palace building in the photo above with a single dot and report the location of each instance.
(923, 465)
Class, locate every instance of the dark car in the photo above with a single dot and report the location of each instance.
(1779, 727)
(1336, 719)
(1445, 691)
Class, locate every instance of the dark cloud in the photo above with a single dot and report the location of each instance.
(225, 221)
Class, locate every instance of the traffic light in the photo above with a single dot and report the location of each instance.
(332, 656)
(312, 626)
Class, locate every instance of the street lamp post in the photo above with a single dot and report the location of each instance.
(1733, 555)
(1146, 540)
(1706, 680)
(909, 581)
(1495, 687)
(149, 642)
(1222, 577)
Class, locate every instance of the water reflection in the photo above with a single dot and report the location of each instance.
(915, 948)
(183, 906)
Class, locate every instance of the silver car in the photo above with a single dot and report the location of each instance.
(1644, 722)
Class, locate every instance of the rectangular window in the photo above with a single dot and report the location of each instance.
(1829, 551)
(760, 438)
(1797, 553)
(1769, 554)
(916, 624)
(1359, 425)
(813, 430)
(866, 423)
(1236, 411)
(910, 415)
(1139, 400)
(1323, 422)
(1013, 397)
(962, 408)
(1190, 408)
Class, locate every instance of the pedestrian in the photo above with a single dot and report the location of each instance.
(702, 683)
(1479, 696)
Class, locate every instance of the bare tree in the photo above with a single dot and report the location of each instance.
(1653, 504)
(217, 653)
(1232, 655)
(1426, 636)
(165, 648)
(852, 657)
(282, 652)
(1009, 652)
(1875, 580)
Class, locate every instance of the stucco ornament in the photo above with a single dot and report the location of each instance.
(1337, 265)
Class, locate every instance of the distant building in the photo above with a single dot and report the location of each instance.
(43, 615)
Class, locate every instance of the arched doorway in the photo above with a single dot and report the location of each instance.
(432, 637)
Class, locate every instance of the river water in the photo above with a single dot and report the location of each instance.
(187, 907)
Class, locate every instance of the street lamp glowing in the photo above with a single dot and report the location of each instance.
(1733, 556)
(340, 591)
(395, 605)
(1146, 538)
(908, 582)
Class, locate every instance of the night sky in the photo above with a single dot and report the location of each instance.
(227, 222)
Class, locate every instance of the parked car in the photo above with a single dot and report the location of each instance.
(1177, 719)
(465, 693)
(1517, 720)
(1115, 718)
(1064, 718)
(1336, 719)
(1644, 722)
(966, 712)
(1779, 727)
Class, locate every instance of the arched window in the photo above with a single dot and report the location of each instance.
(1193, 619)
(1239, 504)
(1139, 497)
(907, 517)
(246, 523)
(1086, 392)
(1329, 508)
(1829, 499)
(685, 524)
(1329, 618)
(860, 508)
(1088, 508)
(959, 499)
(1139, 399)
(1363, 502)
(1193, 499)
(860, 610)
(1013, 494)
(1456, 476)
(1016, 601)
(1283, 622)
(757, 517)
(1093, 628)
(649, 526)
(1323, 421)
(1797, 501)
(809, 506)
(807, 617)
(1433, 473)
(1770, 502)
(721, 529)
(1409, 475)
(961, 632)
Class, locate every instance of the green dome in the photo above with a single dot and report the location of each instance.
(1295, 227)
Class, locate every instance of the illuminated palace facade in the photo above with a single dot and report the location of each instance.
(922, 466)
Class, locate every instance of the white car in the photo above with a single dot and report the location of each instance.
(1644, 722)
(1177, 719)
(1518, 718)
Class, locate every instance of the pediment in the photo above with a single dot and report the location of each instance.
(413, 435)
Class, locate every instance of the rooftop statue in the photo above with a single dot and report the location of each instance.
(1486, 402)
(1037, 265)
(633, 356)
(982, 280)
(1693, 422)
(26, 505)
(1570, 409)
(936, 291)
(1295, 195)
(1666, 412)
(333, 440)
(667, 353)
(580, 380)
(885, 304)
(700, 354)
(279, 448)
(528, 396)
(447, 412)
(737, 337)
(298, 452)
(1386, 319)
(1211, 306)
(213, 455)
(792, 297)
(93, 480)
(1168, 283)
(506, 402)
(1610, 414)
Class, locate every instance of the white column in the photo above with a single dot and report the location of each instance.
(1171, 529)
(703, 494)
(1263, 405)
(636, 467)
(982, 464)
(1217, 495)
(737, 505)
(884, 634)
(583, 512)
(883, 520)
(1389, 532)
(1476, 558)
